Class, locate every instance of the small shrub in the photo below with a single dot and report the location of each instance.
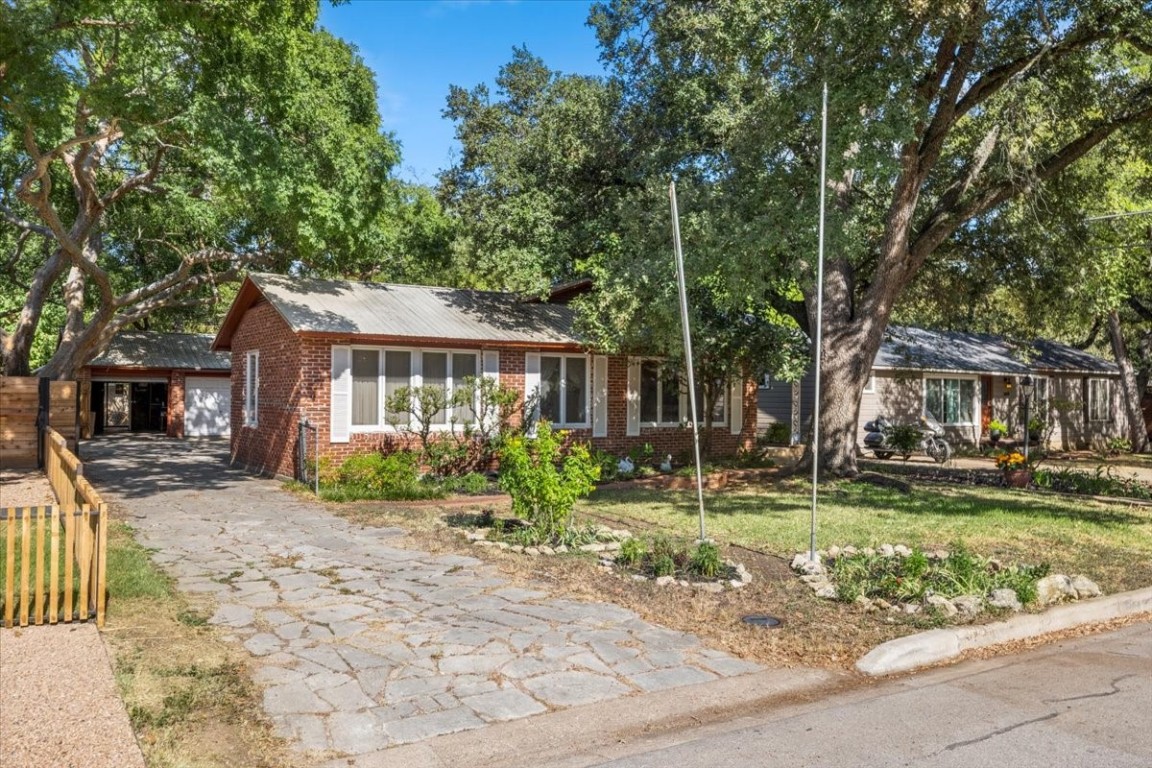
(609, 465)
(543, 480)
(473, 484)
(376, 476)
(904, 438)
(705, 560)
(1102, 482)
(632, 551)
(778, 433)
(663, 565)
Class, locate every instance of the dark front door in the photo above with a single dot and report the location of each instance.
(149, 407)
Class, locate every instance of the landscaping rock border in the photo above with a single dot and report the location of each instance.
(610, 541)
(1050, 590)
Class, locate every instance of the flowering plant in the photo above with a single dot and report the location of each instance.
(1013, 460)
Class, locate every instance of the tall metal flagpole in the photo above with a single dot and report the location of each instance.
(680, 280)
(819, 324)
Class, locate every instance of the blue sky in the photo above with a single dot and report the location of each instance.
(417, 48)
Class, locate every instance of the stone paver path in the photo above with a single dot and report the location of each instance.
(362, 642)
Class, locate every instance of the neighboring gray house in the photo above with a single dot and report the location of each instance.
(967, 379)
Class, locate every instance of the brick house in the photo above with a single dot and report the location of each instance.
(331, 352)
(151, 381)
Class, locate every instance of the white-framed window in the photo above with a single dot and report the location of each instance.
(1099, 400)
(661, 395)
(719, 407)
(765, 381)
(870, 385)
(378, 373)
(950, 400)
(565, 381)
(251, 388)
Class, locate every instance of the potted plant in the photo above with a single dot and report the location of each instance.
(1016, 469)
(996, 430)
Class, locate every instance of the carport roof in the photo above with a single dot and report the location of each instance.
(388, 310)
(905, 347)
(155, 349)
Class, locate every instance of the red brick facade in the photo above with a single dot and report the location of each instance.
(295, 384)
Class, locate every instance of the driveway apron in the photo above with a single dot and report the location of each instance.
(360, 641)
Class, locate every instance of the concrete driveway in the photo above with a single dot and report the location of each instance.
(361, 641)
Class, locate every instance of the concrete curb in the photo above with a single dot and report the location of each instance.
(590, 734)
(907, 653)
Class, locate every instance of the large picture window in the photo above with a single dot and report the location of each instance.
(950, 401)
(378, 374)
(564, 389)
(1099, 400)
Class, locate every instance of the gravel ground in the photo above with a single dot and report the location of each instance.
(58, 700)
(24, 488)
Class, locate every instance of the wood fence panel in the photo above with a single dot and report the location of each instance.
(19, 407)
(42, 595)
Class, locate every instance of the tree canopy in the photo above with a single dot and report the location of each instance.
(150, 152)
(948, 120)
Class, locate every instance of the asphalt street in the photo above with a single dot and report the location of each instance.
(1085, 702)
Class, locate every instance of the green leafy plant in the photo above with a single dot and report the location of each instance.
(544, 480)
(663, 565)
(997, 428)
(903, 438)
(778, 433)
(472, 483)
(379, 476)
(1103, 482)
(632, 552)
(705, 560)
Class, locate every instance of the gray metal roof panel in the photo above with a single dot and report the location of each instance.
(384, 309)
(922, 349)
(156, 349)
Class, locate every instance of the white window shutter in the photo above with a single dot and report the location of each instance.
(492, 364)
(736, 405)
(532, 388)
(600, 396)
(633, 397)
(490, 369)
(340, 419)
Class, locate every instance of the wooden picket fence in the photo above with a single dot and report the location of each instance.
(57, 554)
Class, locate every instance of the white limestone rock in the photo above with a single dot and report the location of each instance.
(942, 604)
(1054, 588)
(1005, 598)
(1085, 587)
(969, 605)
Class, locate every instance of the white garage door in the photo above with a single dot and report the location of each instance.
(207, 407)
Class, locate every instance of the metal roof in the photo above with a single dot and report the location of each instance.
(154, 349)
(918, 348)
(382, 309)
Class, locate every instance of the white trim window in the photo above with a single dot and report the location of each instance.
(661, 395)
(378, 373)
(1099, 400)
(951, 400)
(765, 381)
(719, 408)
(251, 388)
(565, 383)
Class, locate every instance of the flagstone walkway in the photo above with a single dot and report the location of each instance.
(362, 641)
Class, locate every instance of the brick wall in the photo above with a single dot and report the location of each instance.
(295, 384)
(269, 447)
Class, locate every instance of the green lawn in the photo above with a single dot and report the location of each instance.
(1111, 543)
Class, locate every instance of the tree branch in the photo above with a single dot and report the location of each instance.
(21, 223)
(1092, 334)
(1140, 309)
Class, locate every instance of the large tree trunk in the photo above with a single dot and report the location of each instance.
(1129, 391)
(16, 350)
(850, 343)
